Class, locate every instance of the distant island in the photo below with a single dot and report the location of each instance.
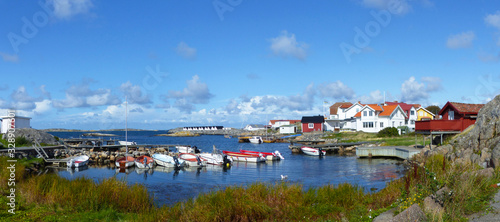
(104, 130)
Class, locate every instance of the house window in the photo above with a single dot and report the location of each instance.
(412, 112)
(364, 113)
(413, 122)
(367, 124)
(400, 123)
(392, 123)
(451, 115)
(371, 113)
(310, 125)
(381, 125)
(421, 113)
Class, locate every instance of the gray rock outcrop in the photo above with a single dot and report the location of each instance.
(480, 145)
(33, 134)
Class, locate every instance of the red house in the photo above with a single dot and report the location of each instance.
(312, 123)
(455, 117)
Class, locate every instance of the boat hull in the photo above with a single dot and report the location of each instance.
(78, 161)
(139, 162)
(192, 160)
(245, 157)
(312, 151)
(125, 162)
(167, 161)
(256, 140)
(269, 156)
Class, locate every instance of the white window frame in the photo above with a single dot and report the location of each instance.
(310, 125)
(451, 115)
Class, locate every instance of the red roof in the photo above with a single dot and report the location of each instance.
(462, 108)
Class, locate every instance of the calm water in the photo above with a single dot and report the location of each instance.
(169, 186)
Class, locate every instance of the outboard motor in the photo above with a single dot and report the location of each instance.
(198, 159)
(226, 161)
(277, 153)
(176, 161)
(321, 152)
(196, 150)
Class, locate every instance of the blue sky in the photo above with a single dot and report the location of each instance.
(71, 64)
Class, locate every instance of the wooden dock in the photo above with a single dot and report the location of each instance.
(328, 147)
(401, 152)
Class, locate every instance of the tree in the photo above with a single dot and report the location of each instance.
(433, 109)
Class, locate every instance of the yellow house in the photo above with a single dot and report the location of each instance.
(424, 114)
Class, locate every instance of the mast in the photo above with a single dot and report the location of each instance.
(126, 129)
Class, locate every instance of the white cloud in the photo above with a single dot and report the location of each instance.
(134, 93)
(185, 51)
(493, 20)
(43, 107)
(398, 7)
(336, 90)
(65, 9)
(82, 96)
(196, 92)
(286, 45)
(462, 40)
(22, 100)
(9, 58)
(414, 92)
(375, 97)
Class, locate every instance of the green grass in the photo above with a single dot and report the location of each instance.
(52, 198)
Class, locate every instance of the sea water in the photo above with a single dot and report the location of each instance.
(169, 186)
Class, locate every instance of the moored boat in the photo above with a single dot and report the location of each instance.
(245, 157)
(125, 162)
(167, 161)
(269, 156)
(256, 139)
(313, 151)
(144, 162)
(193, 160)
(78, 161)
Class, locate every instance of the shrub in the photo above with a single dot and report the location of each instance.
(388, 132)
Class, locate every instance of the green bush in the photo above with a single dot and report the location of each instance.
(388, 132)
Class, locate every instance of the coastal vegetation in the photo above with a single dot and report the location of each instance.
(384, 139)
(49, 197)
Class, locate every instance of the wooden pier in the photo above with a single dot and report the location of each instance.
(328, 147)
(401, 152)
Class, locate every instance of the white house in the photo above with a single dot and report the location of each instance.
(254, 127)
(18, 122)
(411, 113)
(275, 124)
(342, 116)
(288, 129)
(373, 118)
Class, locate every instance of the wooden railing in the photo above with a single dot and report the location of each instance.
(443, 125)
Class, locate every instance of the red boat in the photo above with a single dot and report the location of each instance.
(270, 156)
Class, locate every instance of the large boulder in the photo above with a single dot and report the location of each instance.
(33, 134)
(482, 139)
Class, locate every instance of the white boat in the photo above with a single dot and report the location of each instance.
(144, 162)
(246, 157)
(126, 143)
(256, 139)
(78, 161)
(313, 151)
(193, 160)
(184, 149)
(125, 162)
(167, 161)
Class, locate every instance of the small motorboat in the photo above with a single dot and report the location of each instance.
(246, 157)
(270, 156)
(167, 161)
(78, 161)
(187, 149)
(217, 159)
(313, 151)
(126, 143)
(193, 160)
(125, 162)
(144, 162)
(256, 139)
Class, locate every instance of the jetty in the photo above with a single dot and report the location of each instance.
(328, 147)
(401, 152)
